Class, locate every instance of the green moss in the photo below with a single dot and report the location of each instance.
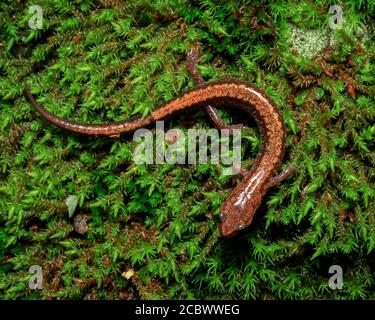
(152, 230)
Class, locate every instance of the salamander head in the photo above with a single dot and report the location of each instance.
(239, 208)
(234, 221)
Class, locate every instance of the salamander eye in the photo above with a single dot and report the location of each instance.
(240, 225)
(222, 216)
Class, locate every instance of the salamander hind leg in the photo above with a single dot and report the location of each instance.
(219, 122)
(193, 59)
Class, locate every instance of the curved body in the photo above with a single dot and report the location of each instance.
(239, 208)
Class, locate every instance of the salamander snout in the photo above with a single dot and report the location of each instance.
(231, 224)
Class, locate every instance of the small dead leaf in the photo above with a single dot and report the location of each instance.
(350, 89)
(71, 202)
(78, 280)
(124, 295)
(80, 223)
(128, 274)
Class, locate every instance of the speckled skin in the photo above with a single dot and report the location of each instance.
(239, 208)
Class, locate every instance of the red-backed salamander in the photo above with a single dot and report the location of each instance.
(240, 206)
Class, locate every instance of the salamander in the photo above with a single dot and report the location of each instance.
(240, 206)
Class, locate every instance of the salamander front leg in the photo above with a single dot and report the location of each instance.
(280, 177)
(193, 58)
